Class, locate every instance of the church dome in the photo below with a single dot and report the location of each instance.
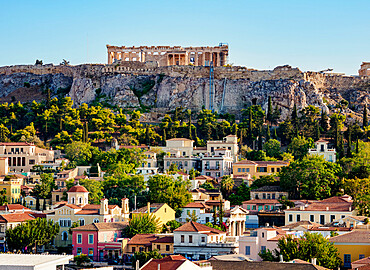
(77, 188)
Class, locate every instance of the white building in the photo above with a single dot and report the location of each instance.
(217, 163)
(230, 142)
(200, 242)
(33, 261)
(149, 166)
(323, 150)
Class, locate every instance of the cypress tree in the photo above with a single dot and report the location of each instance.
(324, 121)
(164, 137)
(147, 135)
(260, 141)
(357, 146)
(189, 126)
(268, 134)
(275, 134)
(221, 215)
(364, 117)
(317, 132)
(341, 146)
(250, 126)
(269, 110)
(349, 145)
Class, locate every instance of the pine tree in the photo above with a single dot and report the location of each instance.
(275, 134)
(250, 126)
(357, 150)
(147, 135)
(364, 117)
(221, 215)
(164, 137)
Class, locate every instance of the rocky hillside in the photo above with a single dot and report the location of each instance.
(162, 88)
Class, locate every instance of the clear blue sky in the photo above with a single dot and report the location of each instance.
(262, 34)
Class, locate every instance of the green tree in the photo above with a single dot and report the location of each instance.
(299, 146)
(265, 180)
(242, 194)
(167, 189)
(170, 226)
(227, 185)
(31, 233)
(308, 246)
(311, 178)
(365, 120)
(269, 110)
(192, 217)
(142, 223)
(95, 189)
(207, 185)
(4, 133)
(272, 148)
(359, 189)
(79, 153)
(324, 121)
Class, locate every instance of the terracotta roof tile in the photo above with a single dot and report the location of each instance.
(195, 205)
(16, 217)
(12, 207)
(196, 227)
(142, 239)
(166, 239)
(364, 261)
(167, 263)
(88, 212)
(78, 188)
(352, 237)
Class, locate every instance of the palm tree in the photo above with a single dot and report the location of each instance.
(227, 184)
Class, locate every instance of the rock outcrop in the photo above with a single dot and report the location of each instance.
(163, 88)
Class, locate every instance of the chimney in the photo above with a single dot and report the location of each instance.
(313, 261)
(327, 208)
(125, 206)
(281, 258)
(148, 206)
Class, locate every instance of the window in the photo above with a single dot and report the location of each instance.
(79, 238)
(298, 217)
(273, 196)
(312, 218)
(159, 247)
(290, 218)
(188, 212)
(332, 218)
(322, 219)
(207, 219)
(96, 220)
(243, 169)
(263, 248)
(82, 222)
(182, 238)
(361, 256)
(247, 250)
(186, 163)
(168, 164)
(278, 169)
(266, 207)
(268, 196)
(190, 239)
(133, 249)
(203, 239)
(79, 251)
(247, 169)
(263, 235)
(347, 260)
(272, 169)
(31, 161)
(263, 195)
(261, 169)
(184, 153)
(239, 170)
(253, 207)
(167, 247)
(91, 252)
(91, 239)
(248, 207)
(64, 236)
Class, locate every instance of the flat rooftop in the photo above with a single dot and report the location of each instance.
(32, 260)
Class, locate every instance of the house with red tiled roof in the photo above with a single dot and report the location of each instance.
(77, 209)
(352, 246)
(172, 262)
(100, 241)
(9, 221)
(323, 212)
(199, 242)
(365, 263)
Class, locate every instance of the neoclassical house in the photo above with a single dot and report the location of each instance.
(77, 209)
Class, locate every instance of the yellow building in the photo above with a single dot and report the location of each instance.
(164, 245)
(12, 185)
(352, 246)
(160, 210)
(257, 168)
(78, 210)
(148, 242)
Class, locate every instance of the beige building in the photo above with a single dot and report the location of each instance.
(170, 56)
(22, 156)
(230, 142)
(323, 212)
(180, 152)
(321, 149)
(78, 210)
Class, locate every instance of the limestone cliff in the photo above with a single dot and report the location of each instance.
(131, 85)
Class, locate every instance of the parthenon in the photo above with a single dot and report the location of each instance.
(170, 56)
(365, 69)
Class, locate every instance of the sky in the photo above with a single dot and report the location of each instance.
(312, 35)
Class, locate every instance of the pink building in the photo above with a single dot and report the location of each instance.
(100, 241)
(260, 240)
